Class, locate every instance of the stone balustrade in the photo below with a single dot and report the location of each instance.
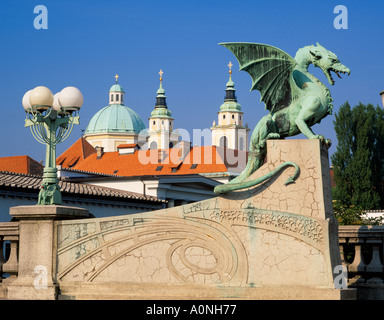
(361, 249)
(9, 249)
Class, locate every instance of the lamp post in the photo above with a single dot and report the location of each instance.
(51, 119)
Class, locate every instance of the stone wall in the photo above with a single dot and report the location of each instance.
(263, 237)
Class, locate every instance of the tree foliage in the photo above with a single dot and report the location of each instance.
(353, 215)
(359, 159)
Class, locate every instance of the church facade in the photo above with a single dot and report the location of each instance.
(117, 124)
(229, 132)
(119, 151)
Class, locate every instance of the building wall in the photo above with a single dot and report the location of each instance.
(110, 142)
(99, 208)
(233, 134)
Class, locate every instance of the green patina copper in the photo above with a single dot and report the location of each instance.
(50, 129)
(296, 99)
(251, 183)
(115, 118)
(116, 88)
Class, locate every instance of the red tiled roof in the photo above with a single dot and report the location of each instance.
(21, 164)
(146, 162)
(76, 153)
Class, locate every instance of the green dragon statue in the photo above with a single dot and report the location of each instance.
(296, 99)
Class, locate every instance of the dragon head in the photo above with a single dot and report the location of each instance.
(327, 61)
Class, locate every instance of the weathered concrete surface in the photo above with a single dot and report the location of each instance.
(134, 291)
(268, 242)
(37, 247)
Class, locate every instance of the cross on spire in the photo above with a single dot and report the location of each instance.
(117, 77)
(230, 65)
(161, 75)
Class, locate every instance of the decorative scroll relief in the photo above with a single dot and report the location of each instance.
(308, 229)
(152, 250)
(200, 246)
(74, 231)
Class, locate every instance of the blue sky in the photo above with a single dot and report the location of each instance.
(88, 42)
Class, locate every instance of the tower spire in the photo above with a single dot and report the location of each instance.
(161, 98)
(230, 91)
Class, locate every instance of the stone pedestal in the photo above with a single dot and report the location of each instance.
(37, 249)
(289, 232)
(271, 241)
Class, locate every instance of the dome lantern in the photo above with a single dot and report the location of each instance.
(116, 93)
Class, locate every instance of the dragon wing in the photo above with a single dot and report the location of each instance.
(271, 71)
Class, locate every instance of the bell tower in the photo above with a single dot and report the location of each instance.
(160, 129)
(229, 131)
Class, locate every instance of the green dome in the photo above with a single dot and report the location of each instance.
(161, 112)
(116, 88)
(115, 118)
(231, 106)
(230, 84)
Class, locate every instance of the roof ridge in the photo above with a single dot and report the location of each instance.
(21, 174)
(84, 144)
(92, 172)
(73, 187)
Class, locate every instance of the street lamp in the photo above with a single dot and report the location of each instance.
(51, 119)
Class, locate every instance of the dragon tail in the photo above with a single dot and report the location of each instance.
(247, 184)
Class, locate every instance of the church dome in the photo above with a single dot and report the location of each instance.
(230, 106)
(115, 118)
(161, 113)
(116, 88)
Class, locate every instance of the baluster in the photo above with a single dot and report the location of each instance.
(342, 243)
(358, 264)
(375, 265)
(11, 266)
(2, 258)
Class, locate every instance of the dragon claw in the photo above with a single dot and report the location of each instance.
(320, 137)
(273, 135)
(326, 142)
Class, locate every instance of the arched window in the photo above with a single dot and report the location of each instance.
(223, 142)
(117, 97)
(223, 116)
(241, 143)
(153, 145)
(154, 122)
(233, 116)
(111, 97)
